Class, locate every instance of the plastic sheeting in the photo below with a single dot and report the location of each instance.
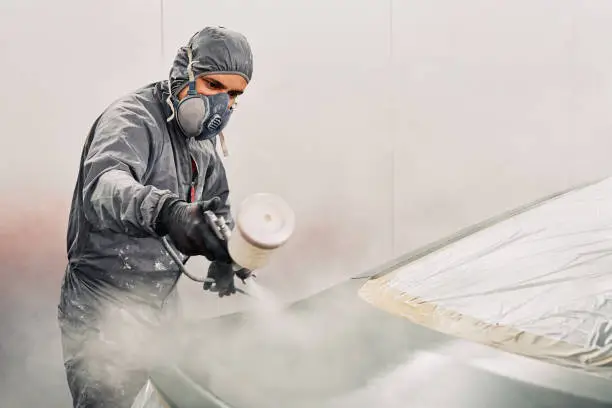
(537, 282)
(149, 397)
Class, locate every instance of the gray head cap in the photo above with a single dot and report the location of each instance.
(216, 50)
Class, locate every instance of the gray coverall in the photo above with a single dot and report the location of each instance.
(132, 161)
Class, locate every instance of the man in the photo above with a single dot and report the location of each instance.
(149, 169)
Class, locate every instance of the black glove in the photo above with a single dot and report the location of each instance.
(189, 230)
(221, 275)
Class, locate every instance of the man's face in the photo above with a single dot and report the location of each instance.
(232, 84)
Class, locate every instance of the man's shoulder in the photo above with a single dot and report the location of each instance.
(144, 104)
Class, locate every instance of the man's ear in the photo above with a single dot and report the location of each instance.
(183, 91)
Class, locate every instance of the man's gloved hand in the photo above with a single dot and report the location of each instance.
(221, 275)
(189, 230)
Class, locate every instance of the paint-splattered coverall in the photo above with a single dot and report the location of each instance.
(133, 160)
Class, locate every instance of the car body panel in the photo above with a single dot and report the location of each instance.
(334, 349)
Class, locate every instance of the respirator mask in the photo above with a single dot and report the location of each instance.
(201, 116)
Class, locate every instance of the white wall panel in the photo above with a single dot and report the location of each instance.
(313, 126)
(63, 62)
(591, 90)
(493, 107)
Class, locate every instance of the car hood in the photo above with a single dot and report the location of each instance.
(509, 312)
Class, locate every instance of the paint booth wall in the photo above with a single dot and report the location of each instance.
(385, 124)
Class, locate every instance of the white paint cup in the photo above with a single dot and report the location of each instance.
(264, 223)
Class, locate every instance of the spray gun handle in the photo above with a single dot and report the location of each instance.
(222, 230)
(218, 225)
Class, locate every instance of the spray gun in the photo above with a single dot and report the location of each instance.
(221, 229)
(223, 232)
(264, 223)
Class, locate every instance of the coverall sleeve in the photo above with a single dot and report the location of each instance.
(116, 164)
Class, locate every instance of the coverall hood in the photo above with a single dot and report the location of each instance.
(216, 50)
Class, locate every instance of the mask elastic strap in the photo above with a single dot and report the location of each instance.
(192, 87)
(223, 145)
(169, 101)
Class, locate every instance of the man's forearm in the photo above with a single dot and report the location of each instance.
(119, 203)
